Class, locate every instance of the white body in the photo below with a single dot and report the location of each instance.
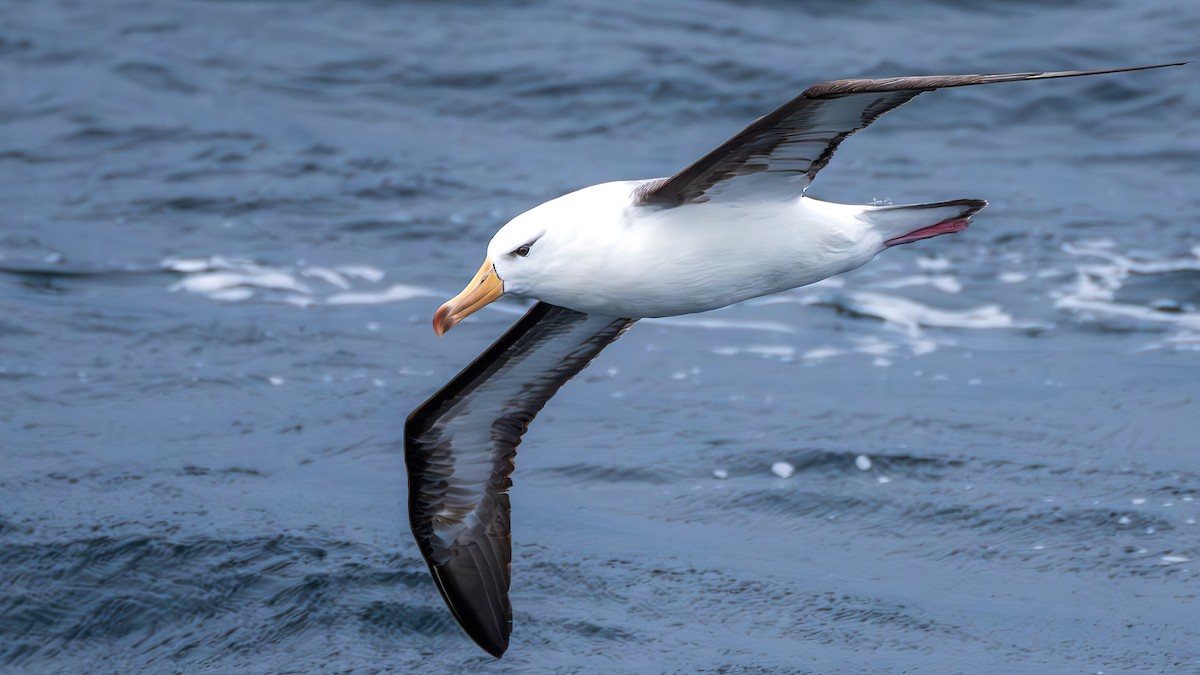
(597, 252)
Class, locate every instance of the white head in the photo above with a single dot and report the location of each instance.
(541, 253)
(519, 251)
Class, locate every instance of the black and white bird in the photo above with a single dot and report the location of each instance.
(734, 225)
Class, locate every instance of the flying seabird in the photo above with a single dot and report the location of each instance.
(732, 226)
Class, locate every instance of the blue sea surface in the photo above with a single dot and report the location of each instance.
(225, 227)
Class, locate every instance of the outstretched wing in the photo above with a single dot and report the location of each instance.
(459, 448)
(777, 156)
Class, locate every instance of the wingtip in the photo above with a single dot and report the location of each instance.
(496, 649)
(1160, 65)
(484, 612)
(1164, 65)
(486, 635)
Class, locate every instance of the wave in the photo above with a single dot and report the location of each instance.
(1098, 293)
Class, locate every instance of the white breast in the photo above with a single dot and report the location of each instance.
(631, 261)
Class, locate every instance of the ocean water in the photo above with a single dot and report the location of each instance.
(225, 226)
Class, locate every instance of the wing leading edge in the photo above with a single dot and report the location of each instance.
(777, 156)
(459, 448)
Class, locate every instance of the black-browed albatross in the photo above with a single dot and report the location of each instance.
(732, 226)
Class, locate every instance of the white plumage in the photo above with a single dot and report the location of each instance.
(598, 251)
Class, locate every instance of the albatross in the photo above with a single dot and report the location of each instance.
(735, 224)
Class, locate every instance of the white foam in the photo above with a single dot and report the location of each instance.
(207, 283)
(780, 352)
(364, 272)
(783, 469)
(873, 346)
(933, 264)
(397, 293)
(186, 266)
(232, 294)
(907, 317)
(300, 301)
(821, 353)
(328, 276)
(942, 282)
(1092, 294)
(912, 315)
(238, 280)
(863, 463)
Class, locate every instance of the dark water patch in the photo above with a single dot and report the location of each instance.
(205, 471)
(1117, 325)
(611, 474)
(42, 285)
(39, 56)
(792, 503)
(411, 227)
(399, 619)
(347, 71)
(1030, 522)
(360, 446)
(470, 80)
(41, 270)
(59, 595)
(844, 610)
(682, 596)
(117, 140)
(593, 631)
(392, 189)
(232, 206)
(23, 157)
(916, 467)
(7, 373)
(554, 575)
(825, 617)
(151, 27)
(12, 329)
(154, 77)
(10, 46)
(8, 527)
(29, 246)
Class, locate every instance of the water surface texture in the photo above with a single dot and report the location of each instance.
(225, 226)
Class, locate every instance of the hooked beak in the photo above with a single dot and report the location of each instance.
(483, 289)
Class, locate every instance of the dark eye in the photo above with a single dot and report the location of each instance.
(523, 251)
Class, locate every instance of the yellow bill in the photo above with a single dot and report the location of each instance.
(483, 289)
